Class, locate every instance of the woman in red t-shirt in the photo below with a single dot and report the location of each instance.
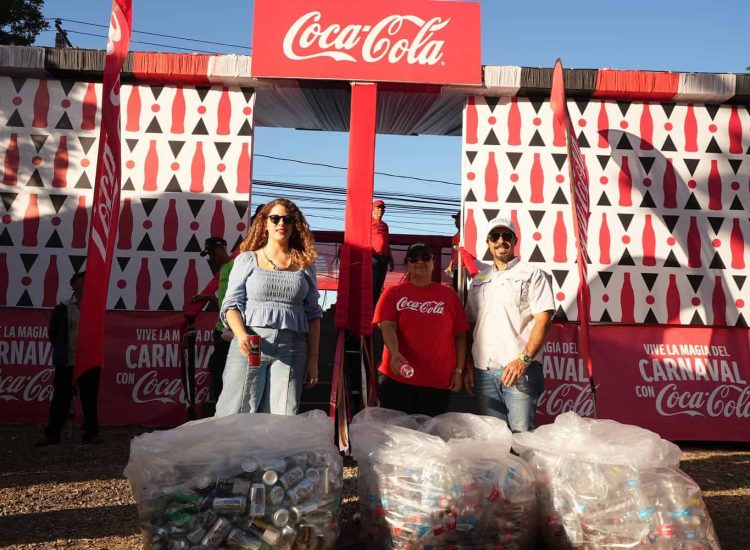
(424, 330)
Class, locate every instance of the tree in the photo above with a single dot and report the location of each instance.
(21, 21)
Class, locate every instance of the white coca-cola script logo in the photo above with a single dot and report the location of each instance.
(726, 400)
(567, 397)
(307, 38)
(27, 388)
(149, 388)
(430, 306)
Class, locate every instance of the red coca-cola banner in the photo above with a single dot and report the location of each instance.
(685, 383)
(105, 211)
(140, 383)
(420, 41)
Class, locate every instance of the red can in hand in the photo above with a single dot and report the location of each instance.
(253, 360)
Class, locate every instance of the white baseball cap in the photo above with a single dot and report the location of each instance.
(502, 221)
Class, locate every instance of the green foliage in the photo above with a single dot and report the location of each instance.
(21, 21)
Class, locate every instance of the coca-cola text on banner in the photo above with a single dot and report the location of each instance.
(106, 207)
(421, 41)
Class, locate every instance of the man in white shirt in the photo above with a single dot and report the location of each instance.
(510, 306)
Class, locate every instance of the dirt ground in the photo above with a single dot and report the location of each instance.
(75, 496)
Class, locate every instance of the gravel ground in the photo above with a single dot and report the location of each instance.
(75, 496)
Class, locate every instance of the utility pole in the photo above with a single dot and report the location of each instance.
(61, 36)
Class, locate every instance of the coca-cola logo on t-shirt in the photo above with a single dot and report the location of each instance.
(429, 306)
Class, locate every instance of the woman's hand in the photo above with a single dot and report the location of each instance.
(397, 361)
(311, 374)
(456, 381)
(243, 343)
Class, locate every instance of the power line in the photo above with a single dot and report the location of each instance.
(153, 34)
(344, 168)
(137, 42)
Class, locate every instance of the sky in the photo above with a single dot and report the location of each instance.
(670, 35)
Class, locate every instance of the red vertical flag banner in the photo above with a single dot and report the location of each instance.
(106, 206)
(579, 193)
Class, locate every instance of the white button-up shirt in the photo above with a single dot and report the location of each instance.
(502, 305)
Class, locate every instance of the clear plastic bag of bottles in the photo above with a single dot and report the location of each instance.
(250, 481)
(447, 481)
(602, 484)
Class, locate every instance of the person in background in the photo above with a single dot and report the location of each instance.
(272, 293)
(218, 258)
(63, 334)
(382, 259)
(424, 329)
(452, 269)
(510, 307)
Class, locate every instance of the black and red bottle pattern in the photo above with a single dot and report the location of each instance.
(669, 233)
(186, 175)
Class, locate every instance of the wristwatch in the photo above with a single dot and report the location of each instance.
(526, 358)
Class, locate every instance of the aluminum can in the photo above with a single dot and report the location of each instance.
(253, 359)
(229, 505)
(301, 491)
(239, 539)
(292, 477)
(280, 517)
(276, 495)
(234, 486)
(179, 544)
(407, 371)
(219, 530)
(299, 460)
(249, 465)
(270, 477)
(313, 474)
(257, 500)
(264, 531)
(276, 464)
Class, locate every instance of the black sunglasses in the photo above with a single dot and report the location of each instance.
(495, 235)
(275, 219)
(414, 258)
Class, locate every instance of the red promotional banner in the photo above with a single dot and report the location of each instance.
(566, 380)
(141, 384)
(421, 41)
(106, 208)
(683, 383)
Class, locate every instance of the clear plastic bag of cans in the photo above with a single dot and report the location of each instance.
(443, 482)
(602, 484)
(249, 481)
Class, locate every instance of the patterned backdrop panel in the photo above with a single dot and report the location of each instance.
(186, 175)
(669, 233)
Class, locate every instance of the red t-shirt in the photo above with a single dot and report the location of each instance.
(379, 237)
(427, 320)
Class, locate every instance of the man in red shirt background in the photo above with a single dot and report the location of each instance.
(382, 259)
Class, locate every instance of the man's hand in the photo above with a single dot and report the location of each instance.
(397, 361)
(513, 371)
(469, 379)
(456, 382)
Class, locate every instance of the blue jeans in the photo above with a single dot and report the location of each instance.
(516, 404)
(273, 387)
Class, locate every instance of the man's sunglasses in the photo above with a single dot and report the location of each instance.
(275, 219)
(424, 257)
(506, 235)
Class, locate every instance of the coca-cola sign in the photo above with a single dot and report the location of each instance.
(422, 41)
(428, 306)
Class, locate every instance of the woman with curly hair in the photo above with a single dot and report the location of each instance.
(273, 293)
